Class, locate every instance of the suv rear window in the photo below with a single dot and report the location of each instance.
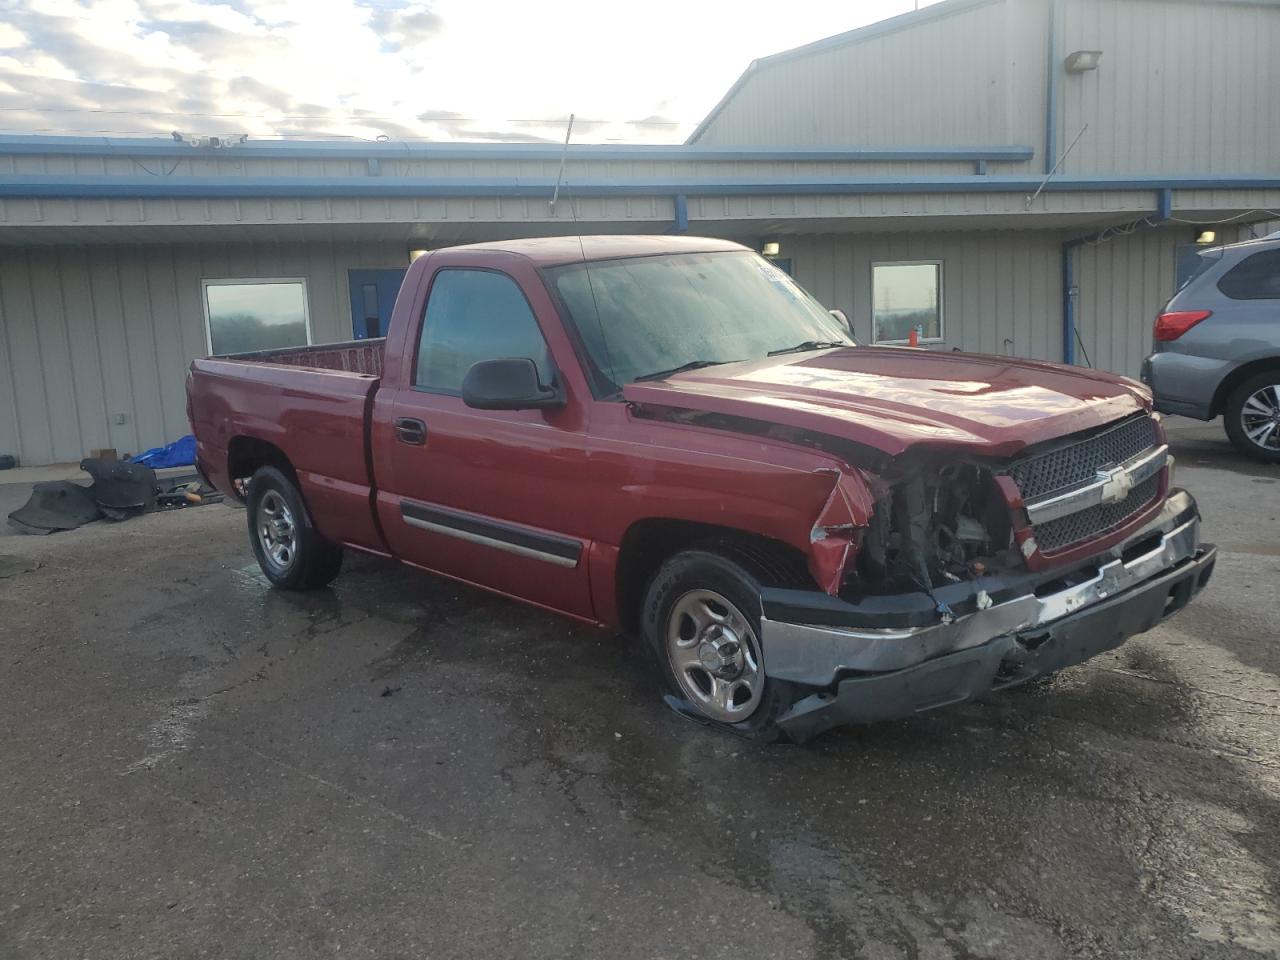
(1254, 278)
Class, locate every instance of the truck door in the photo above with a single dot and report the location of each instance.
(485, 496)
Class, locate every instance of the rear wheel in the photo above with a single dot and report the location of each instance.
(289, 549)
(701, 619)
(1252, 417)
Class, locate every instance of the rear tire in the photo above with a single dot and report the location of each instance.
(289, 549)
(1252, 417)
(701, 621)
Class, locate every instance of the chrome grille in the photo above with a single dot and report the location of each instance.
(1095, 521)
(1076, 465)
(1079, 462)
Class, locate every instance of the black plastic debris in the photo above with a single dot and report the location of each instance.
(55, 505)
(122, 489)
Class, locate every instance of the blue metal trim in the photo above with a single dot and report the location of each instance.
(1164, 210)
(1051, 90)
(980, 168)
(263, 150)
(891, 25)
(62, 186)
(1068, 302)
(681, 224)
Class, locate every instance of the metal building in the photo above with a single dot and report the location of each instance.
(1009, 176)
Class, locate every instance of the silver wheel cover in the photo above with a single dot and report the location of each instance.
(715, 656)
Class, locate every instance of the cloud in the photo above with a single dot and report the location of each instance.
(405, 26)
(438, 69)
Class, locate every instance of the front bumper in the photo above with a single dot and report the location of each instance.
(882, 662)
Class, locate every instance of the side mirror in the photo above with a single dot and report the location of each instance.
(508, 384)
(839, 315)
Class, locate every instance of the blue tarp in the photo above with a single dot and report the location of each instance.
(180, 453)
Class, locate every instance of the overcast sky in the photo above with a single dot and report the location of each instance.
(421, 69)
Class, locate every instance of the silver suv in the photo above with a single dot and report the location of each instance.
(1217, 346)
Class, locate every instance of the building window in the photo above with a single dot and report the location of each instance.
(906, 296)
(246, 315)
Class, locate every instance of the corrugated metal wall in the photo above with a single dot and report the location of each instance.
(1182, 87)
(91, 333)
(1122, 285)
(1001, 291)
(875, 92)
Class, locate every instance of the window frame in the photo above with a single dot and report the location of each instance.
(553, 368)
(942, 312)
(207, 282)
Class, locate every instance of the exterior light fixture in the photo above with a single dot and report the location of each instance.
(415, 254)
(1207, 236)
(771, 249)
(1082, 61)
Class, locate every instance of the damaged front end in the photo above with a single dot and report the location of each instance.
(928, 525)
(929, 599)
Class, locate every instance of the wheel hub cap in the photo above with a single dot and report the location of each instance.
(1260, 417)
(715, 656)
(276, 530)
(720, 652)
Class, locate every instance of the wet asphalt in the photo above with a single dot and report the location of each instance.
(194, 765)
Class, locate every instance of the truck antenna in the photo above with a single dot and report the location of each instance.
(582, 248)
(555, 194)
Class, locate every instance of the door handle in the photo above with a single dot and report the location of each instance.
(410, 430)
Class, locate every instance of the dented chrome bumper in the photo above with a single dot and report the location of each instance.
(819, 640)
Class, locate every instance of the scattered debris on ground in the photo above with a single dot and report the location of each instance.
(120, 489)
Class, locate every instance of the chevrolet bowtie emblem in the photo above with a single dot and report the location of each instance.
(1116, 484)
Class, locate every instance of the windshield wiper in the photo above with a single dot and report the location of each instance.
(691, 365)
(809, 345)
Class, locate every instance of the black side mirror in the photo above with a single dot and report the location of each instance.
(508, 384)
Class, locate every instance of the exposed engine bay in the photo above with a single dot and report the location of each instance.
(936, 525)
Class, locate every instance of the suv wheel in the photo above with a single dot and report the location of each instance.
(1252, 417)
(701, 620)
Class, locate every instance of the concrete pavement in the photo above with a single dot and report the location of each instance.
(195, 765)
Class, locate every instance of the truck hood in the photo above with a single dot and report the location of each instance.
(896, 398)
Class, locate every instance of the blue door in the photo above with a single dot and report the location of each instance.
(373, 294)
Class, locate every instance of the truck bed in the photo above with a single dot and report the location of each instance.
(353, 356)
(316, 416)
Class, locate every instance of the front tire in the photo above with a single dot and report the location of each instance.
(289, 549)
(701, 620)
(1252, 417)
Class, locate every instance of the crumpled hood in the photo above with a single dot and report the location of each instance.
(894, 398)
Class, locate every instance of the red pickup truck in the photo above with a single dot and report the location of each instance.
(668, 435)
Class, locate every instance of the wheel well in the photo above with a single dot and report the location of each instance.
(648, 543)
(1239, 376)
(246, 454)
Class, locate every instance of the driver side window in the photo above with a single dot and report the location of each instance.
(475, 315)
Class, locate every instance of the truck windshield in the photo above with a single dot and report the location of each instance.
(643, 316)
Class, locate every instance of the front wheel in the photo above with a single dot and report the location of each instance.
(1252, 417)
(701, 619)
(289, 549)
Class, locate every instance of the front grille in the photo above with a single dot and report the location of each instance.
(1096, 521)
(1078, 463)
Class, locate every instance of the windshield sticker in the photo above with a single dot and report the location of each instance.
(772, 273)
